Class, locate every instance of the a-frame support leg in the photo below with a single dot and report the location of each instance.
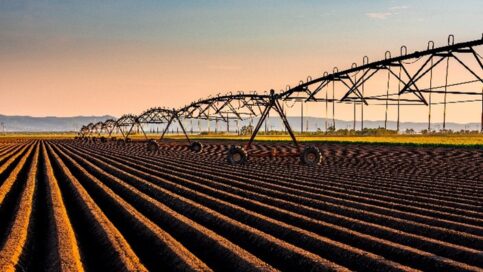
(182, 128)
(144, 133)
(274, 103)
(167, 127)
(260, 122)
(122, 132)
(278, 108)
(129, 132)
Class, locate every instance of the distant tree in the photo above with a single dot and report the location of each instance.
(246, 130)
(410, 131)
(446, 131)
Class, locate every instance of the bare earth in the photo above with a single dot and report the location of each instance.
(113, 207)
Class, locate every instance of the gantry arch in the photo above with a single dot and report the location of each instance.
(408, 79)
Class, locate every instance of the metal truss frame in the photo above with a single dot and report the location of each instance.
(240, 105)
(432, 57)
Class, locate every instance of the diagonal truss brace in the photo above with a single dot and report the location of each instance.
(275, 104)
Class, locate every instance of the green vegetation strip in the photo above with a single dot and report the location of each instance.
(450, 140)
(412, 140)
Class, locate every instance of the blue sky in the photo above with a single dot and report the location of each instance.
(264, 22)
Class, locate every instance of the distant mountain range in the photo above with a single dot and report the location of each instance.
(314, 123)
(46, 124)
(64, 124)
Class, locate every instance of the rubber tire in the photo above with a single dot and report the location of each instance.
(196, 147)
(152, 146)
(237, 155)
(120, 142)
(311, 156)
(103, 139)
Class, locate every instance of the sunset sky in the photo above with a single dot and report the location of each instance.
(69, 58)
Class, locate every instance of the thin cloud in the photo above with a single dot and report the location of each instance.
(379, 15)
(398, 7)
(395, 10)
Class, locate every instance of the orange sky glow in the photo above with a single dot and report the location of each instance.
(52, 71)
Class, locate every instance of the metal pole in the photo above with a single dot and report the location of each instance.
(301, 116)
(430, 92)
(355, 104)
(326, 109)
(284, 111)
(445, 93)
(333, 104)
(267, 125)
(398, 99)
(227, 123)
(387, 96)
(362, 110)
(354, 126)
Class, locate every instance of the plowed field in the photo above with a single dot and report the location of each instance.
(73, 205)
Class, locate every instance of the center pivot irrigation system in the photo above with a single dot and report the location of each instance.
(425, 78)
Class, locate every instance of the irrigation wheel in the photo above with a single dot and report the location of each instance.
(196, 147)
(237, 155)
(153, 146)
(310, 156)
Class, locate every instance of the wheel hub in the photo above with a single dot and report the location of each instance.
(237, 157)
(311, 157)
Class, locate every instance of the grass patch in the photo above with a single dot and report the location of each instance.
(413, 140)
(451, 140)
